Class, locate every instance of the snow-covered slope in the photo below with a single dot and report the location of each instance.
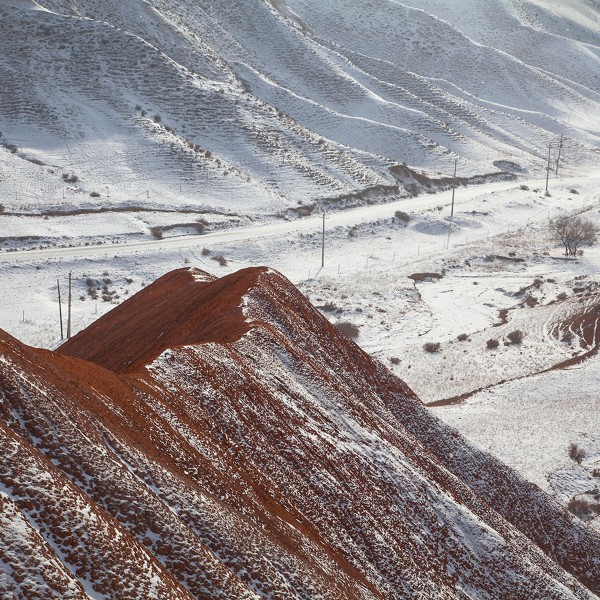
(252, 107)
(219, 437)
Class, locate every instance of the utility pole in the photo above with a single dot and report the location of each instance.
(69, 310)
(62, 337)
(560, 145)
(323, 243)
(453, 188)
(548, 166)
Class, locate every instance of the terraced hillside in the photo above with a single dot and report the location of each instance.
(219, 438)
(251, 108)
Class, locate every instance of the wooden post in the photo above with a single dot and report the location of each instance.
(323, 243)
(548, 167)
(560, 145)
(453, 188)
(62, 337)
(69, 310)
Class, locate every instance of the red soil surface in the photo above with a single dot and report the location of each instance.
(218, 437)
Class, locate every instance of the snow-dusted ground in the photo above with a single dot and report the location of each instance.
(267, 107)
(492, 255)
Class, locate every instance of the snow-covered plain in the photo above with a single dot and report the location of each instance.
(203, 132)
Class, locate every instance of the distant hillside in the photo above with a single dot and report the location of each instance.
(252, 107)
(219, 438)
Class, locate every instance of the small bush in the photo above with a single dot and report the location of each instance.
(405, 217)
(95, 195)
(576, 453)
(347, 328)
(220, 259)
(582, 508)
(330, 306)
(462, 337)
(596, 473)
(157, 232)
(524, 187)
(1, 208)
(567, 336)
(515, 337)
(206, 252)
(531, 301)
(70, 178)
(492, 343)
(432, 346)
(573, 191)
(412, 189)
(129, 280)
(537, 283)
(157, 118)
(394, 360)
(562, 296)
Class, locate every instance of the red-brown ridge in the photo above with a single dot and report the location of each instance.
(219, 438)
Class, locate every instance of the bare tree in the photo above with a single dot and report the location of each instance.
(572, 232)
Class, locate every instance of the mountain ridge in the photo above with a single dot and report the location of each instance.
(280, 458)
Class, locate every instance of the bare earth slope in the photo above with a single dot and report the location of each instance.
(218, 438)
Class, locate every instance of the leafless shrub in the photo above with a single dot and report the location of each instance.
(394, 360)
(582, 508)
(492, 343)
(572, 232)
(220, 259)
(399, 214)
(330, 306)
(567, 336)
(524, 187)
(531, 301)
(347, 328)
(432, 346)
(94, 194)
(562, 296)
(537, 283)
(462, 337)
(515, 337)
(129, 280)
(576, 453)
(157, 232)
(206, 252)
(412, 189)
(157, 118)
(70, 178)
(573, 191)
(596, 473)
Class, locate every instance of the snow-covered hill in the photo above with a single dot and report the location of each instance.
(219, 438)
(254, 107)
